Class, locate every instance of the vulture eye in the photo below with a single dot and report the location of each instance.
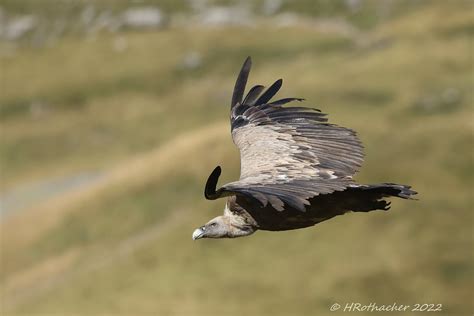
(213, 224)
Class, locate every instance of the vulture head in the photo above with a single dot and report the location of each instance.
(229, 225)
(215, 228)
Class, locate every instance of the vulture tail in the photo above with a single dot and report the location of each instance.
(366, 198)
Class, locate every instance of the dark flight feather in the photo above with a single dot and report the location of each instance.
(253, 94)
(241, 82)
(284, 101)
(270, 92)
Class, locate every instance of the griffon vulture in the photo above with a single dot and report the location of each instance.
(296, 168)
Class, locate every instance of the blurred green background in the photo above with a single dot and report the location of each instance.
(113, 113)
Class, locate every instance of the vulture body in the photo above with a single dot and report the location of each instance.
(296, 168)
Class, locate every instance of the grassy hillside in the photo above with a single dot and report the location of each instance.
(155, 127)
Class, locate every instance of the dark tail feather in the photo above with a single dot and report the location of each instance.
(366, 198)
(390, 189)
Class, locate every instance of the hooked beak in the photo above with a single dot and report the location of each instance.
(198, 233)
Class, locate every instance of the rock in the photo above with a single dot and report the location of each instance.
(220, 15)
(143, 17)
(271, 7)
(87, 15)
(192, 60)
(17, 27)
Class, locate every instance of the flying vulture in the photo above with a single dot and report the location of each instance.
(296, 168)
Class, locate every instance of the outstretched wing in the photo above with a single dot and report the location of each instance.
(287, 154)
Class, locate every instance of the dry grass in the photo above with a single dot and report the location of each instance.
(123, 246)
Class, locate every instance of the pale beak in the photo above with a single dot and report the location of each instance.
(198, 233)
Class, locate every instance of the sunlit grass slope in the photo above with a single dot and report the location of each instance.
(123, 246)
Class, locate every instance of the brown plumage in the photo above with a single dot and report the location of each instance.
(296, 168)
